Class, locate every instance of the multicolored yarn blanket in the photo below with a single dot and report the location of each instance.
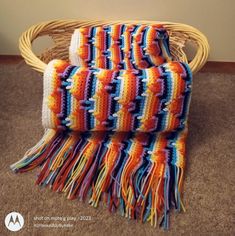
(120, 47)
(116, 132)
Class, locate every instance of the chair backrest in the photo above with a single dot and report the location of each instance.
(120, 46)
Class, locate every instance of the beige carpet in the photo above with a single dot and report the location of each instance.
(209, 183)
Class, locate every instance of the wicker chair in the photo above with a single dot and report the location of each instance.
(61, 30)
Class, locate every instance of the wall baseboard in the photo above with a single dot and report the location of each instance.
(219, 67)
(10, 59)
(210, 66)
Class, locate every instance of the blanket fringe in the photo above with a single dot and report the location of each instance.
(137, 173)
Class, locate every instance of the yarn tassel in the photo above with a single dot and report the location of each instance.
(139, 173)
(59, 154)
(38, 154)
(110, 159)
(134, 161)
(82, 165)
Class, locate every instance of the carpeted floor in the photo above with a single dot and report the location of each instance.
(209, 183)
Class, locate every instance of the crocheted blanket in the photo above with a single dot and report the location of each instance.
(116, 125)
(120, 47)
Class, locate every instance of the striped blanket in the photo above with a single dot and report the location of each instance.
(116, 122)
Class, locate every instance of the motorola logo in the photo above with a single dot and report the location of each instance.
(14, 221)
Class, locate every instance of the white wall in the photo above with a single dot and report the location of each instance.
(215, 18)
